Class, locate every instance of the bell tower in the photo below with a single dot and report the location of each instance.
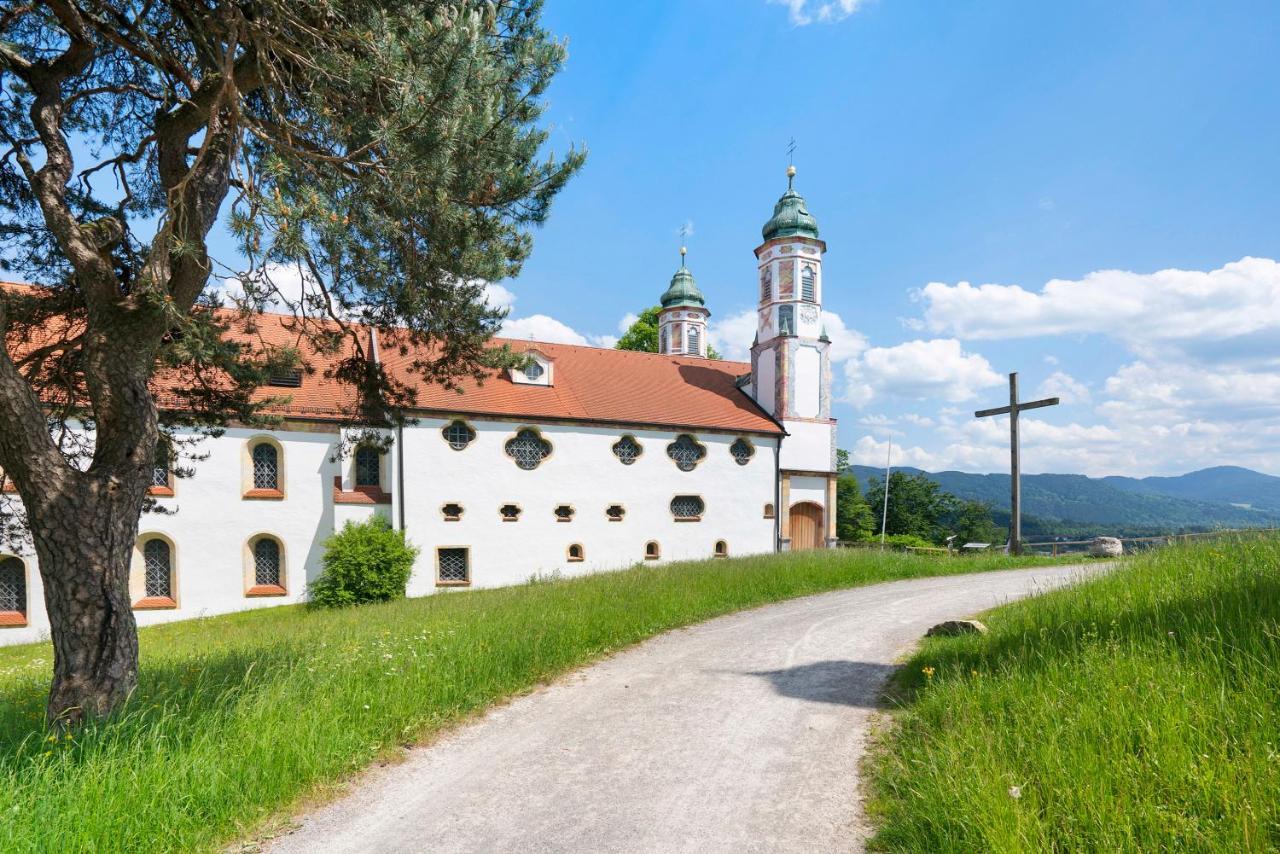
(791, 368)
(682, 322)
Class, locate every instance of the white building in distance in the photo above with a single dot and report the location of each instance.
(587, 459)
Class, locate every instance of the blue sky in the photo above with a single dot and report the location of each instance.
(1003, 144)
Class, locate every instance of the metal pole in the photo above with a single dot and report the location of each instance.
(884, 517)
(1015, 494)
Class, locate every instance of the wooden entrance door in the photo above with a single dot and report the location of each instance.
(806, 526)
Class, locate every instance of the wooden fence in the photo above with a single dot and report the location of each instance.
(1066, 547)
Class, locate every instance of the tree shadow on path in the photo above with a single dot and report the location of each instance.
(842, 683)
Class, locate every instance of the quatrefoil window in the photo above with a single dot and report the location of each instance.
(528, 449)
(686, 452)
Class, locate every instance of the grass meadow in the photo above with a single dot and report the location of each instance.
(239, 717)
(1137, 712)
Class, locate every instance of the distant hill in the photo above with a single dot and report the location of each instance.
(1224, 497)
(1226, 484)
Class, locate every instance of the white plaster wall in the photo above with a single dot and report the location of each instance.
(809, 489)
(764, 386)
(212, 523)
(807, 446)
(808, 381)
(582, 471)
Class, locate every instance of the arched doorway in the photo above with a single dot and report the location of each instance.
(806, 526)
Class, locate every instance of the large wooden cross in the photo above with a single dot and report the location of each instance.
(1015, 494)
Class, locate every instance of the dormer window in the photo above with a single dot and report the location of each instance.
(537, 370)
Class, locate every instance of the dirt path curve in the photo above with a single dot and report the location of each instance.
(738, 734)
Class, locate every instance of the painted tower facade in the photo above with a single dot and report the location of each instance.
(791, 369)
(682, 323)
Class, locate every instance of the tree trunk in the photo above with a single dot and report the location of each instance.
(84, 540)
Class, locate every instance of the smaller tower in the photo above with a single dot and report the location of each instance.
(682, 323)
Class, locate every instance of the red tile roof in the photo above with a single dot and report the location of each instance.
(593, 385)
(609, 386)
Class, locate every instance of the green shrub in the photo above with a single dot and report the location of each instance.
(903, 541)
(364, 562)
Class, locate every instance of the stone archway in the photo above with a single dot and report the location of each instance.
(806, 526)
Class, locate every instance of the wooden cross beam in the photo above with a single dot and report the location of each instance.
(1015, 464)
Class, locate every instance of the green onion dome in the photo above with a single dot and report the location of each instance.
(683, 290)
(790, 216)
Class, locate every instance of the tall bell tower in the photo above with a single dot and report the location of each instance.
(791, 369)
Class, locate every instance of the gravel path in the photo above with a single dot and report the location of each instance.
(738, 734)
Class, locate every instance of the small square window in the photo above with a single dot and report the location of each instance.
(454, 565)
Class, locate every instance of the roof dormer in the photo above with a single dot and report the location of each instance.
(539, 370)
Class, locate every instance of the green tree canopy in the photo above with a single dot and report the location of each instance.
(853, 517)
(917, 505)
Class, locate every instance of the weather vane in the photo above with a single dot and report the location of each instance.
(684, 233)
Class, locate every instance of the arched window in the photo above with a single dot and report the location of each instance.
(266, 466)
(266, 563)
(721, 548)
(576, 553)
(627, 450)
(662, 343)
(528, 449)
(368, 466)
(157, 562)
(768, 511)
(687, 508)
(808, 283)
(686, 452)
(742, 451)
(13, 592)
(652, 551)
(458, 434)
(695, 341)
(160, 468)
(766, 283)
(786, 320)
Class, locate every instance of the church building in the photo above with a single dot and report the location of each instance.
(587, 459)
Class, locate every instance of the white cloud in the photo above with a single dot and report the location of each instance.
(281, 284)
(627, 319)
(1062, 385)
(540, 327)
(498, 296)
(803, 12)
(732, 335)
(919, 370)
(1237, 303)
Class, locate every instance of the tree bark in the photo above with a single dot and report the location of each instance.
(84, 540)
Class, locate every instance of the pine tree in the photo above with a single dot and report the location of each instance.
(388, 155)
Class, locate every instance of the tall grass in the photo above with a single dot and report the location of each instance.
(1137, 712)
(237, 717)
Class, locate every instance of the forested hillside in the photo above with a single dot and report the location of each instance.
(1068, 504)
